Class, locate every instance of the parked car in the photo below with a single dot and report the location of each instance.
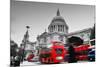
(30, 57)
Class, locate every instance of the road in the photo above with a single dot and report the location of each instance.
(26, 63)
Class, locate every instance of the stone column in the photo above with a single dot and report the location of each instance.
(65, 29)
(61, 28)
(54, 28)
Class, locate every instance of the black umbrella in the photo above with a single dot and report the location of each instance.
(75, 40)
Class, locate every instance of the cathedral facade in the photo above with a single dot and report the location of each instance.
(58, 31)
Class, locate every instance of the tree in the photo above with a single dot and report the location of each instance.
(92, 36)
(13, 47)
(75, 40)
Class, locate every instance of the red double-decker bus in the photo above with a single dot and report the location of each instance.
(54, 54)
(80, 49)
(82, 52)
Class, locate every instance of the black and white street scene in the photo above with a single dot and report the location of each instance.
(51, 33)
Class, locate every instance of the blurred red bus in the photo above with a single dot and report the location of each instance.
(82, 52)
(54, 54)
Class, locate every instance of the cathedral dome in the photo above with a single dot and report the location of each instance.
(58, 20)
(58, 24)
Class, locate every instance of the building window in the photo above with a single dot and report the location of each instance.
(60, 38)
(54, 27)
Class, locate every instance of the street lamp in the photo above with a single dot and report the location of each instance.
(27, 27)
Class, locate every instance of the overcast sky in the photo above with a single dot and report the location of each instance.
(39, 15)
